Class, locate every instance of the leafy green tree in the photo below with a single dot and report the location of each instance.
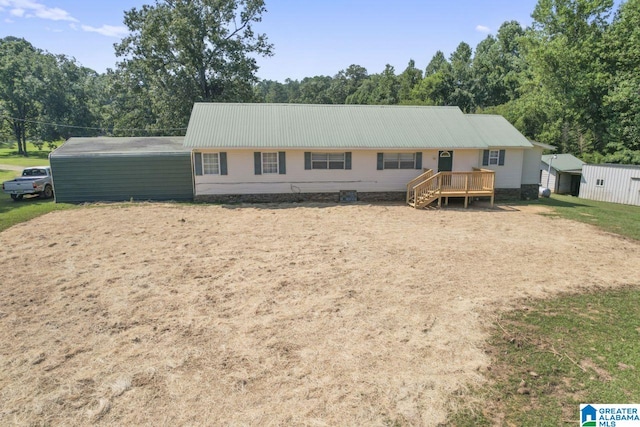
(462, 94)
(315, 90)
(388, 88)
(437, 64)
(377, 89)
(127, 106)
(437, 85)
(363, 95)
(23, 87)
(346, 83)
(621, 61)
(409, 79)
(270, 91)
(498, 67)
(193, 50)
(562, 52)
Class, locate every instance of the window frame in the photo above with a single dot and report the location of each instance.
(328, 160)
(387, 160)
(271, 164)
(206, 165)
(494, 160)
(600, 182)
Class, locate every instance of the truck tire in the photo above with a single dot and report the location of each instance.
(48, 192)
(16, 197)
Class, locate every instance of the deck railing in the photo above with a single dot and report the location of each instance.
(467, 181)
(422, 177)
(479, 182)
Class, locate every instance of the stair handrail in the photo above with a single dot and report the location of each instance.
(423, 176)
(432, 183)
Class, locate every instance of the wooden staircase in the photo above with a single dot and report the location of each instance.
(424, 200)
(429, 187)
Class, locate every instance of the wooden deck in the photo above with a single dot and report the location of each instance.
(430, 186)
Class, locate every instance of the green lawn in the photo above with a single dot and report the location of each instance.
(12, 213)
(9, 155)
(556, 354)
(612, 217)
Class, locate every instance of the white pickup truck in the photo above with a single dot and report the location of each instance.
(34, 180)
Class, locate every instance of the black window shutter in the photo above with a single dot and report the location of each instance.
(347, 160)
(282, 163)
(418, 160)
(501, 158)
(380, 161)
(257, 163)
(307, 160)
(197, 163)
(223, 163)
(485, 158)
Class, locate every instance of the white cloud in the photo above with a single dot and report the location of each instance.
(107, 30)
(34, 9)
(483, 29)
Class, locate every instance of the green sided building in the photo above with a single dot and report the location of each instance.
(122, 169)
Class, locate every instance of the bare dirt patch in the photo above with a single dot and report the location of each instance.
(272, 315)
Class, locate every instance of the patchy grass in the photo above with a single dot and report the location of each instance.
(612, 217)
(12, 213)
(9, 155)
(556, 354)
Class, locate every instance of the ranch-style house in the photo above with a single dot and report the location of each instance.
(298, 152)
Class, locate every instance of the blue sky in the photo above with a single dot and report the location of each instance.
(310, 37)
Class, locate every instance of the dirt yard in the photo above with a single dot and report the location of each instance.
(316, 315)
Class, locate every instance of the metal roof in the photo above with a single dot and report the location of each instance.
(303, 126)
(496, 131)
(563, 162)
(543, 145)
(97, 146)
(617, 165)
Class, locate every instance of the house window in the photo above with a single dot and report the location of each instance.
(399, 160)
(494, 157)
(599, 182)
(327, 160)
(210, 163)
(270, 163)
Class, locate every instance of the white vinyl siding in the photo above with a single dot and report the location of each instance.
(531, 166)
(210, 163)
(363, 176)
(509, 175)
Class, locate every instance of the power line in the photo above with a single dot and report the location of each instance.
(91, 128)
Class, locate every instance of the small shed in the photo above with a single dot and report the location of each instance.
(611, 183)
(561, 173)
(120, 169)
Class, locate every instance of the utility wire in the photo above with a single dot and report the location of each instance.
(89, 128)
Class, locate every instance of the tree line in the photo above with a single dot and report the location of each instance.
(570, 79)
